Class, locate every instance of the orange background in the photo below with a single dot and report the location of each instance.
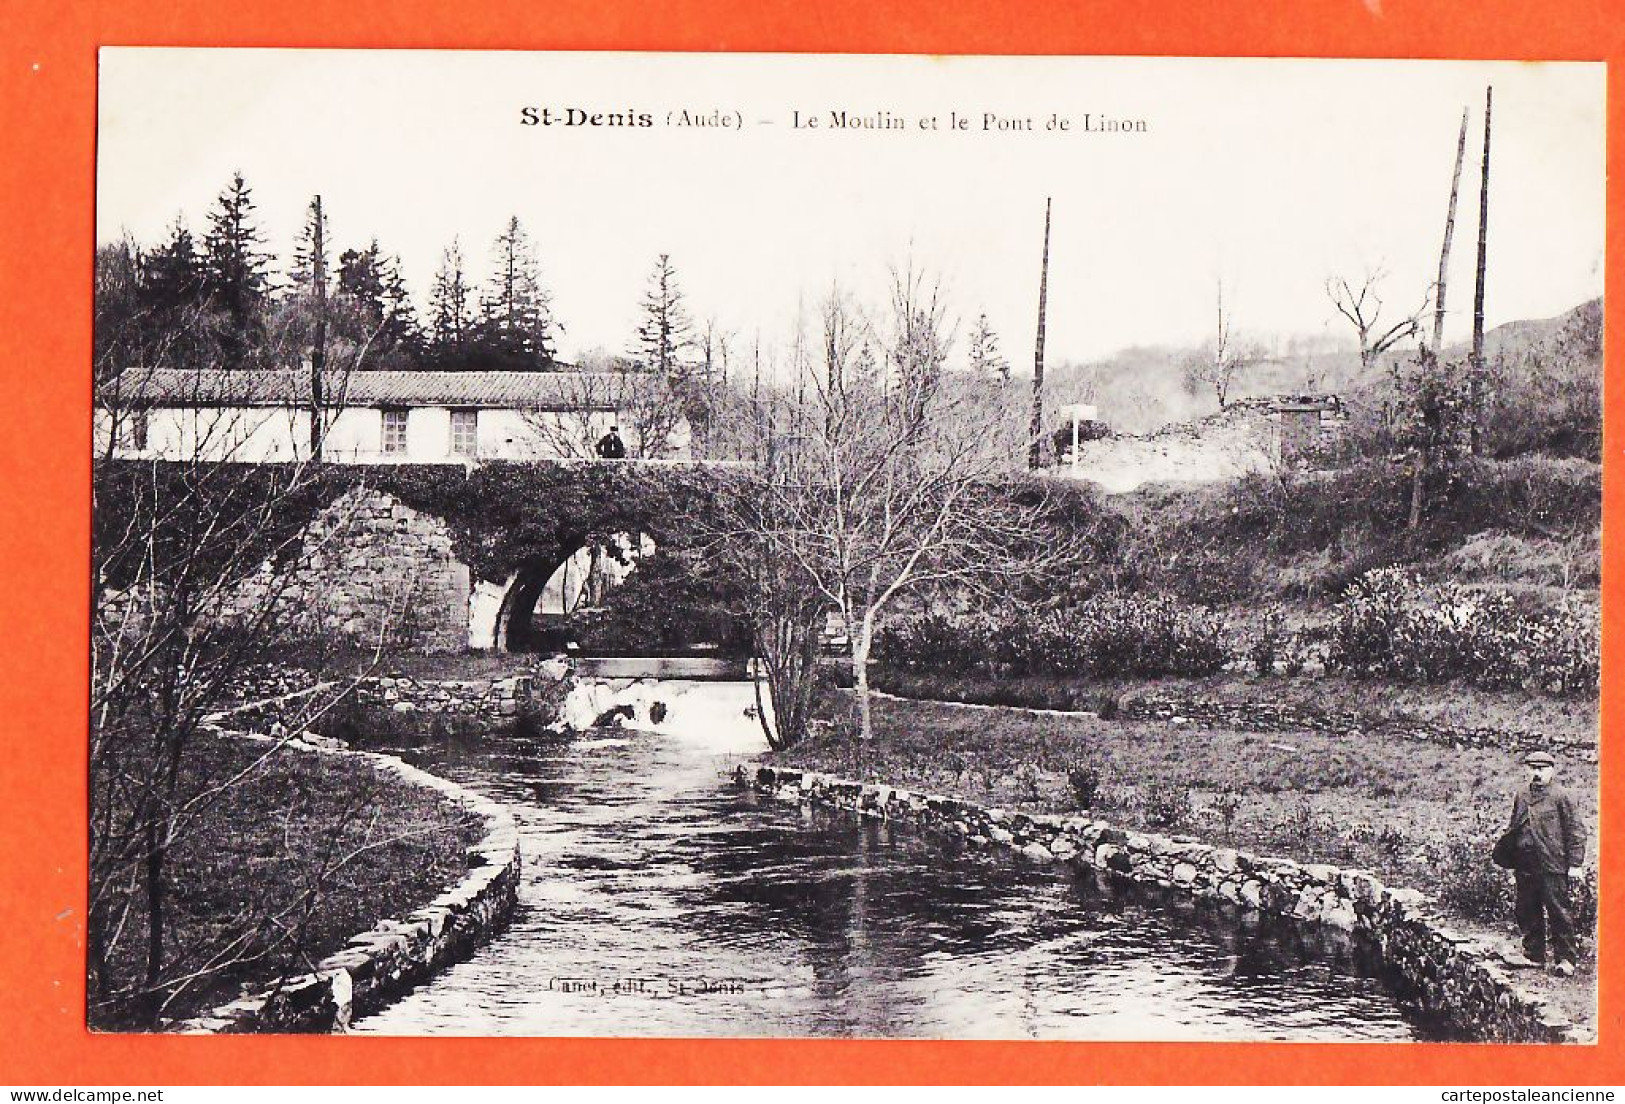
(47, 105)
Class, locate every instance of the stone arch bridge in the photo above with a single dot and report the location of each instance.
(439, 559)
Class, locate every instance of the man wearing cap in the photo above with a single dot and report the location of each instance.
(610, 445)
(1551, 846)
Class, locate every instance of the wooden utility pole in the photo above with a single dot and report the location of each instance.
(1449, 231)
(318, 354)
(1035, 454)
(1476, 384)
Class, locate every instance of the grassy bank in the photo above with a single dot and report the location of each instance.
(277, 873)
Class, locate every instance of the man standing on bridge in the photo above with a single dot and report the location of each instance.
(610, 445)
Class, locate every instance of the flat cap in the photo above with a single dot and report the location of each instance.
(1540, 759)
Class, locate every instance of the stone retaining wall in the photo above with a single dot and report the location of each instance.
(485, 699)
(274, 695)
(1266, 716)
(1445, 972)
(377, 965)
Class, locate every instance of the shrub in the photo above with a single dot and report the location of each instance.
(1302, 649)
(1104, 637)
(1266, 645)
(1167, 804)
(1583, 896)
(1469, 883)
(1027, 779)
(1390, 625)
(1085, 782)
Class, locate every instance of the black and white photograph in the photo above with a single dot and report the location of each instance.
(845, 546)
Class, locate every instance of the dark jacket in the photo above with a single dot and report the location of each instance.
(1553, 838)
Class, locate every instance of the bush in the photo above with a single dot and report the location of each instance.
(1167, 804)
(1085, 782)
(1469, 883)
(1104, 637)
(1390, 625)
(1227, 803)
(1266, 645)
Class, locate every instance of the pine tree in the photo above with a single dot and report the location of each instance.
(310, 251)
(234, 267)
(401, 332)
(516, 322)
(378, 306)
(449, 321)
(665, 334)
(179, 330)
(985, 357)
(171, 274)
(361, 283)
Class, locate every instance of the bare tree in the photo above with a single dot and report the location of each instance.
(1362, 305)
(1225, 360)
(193, 556)
(866, 490)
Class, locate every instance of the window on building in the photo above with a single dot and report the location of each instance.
(394, 431)
(132, 430)
(465, 432)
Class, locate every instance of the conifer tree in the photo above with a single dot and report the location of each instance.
(449, 318)
(399, 327)
(234, 267)
(171, 273)
(310, 254)
(664, 336)
(361, 282)
(516, 322)
(985, 357)
(175, 327)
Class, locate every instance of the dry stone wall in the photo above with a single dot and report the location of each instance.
(1446, 972)
(484, 699)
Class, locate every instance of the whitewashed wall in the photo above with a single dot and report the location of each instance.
(268, 434)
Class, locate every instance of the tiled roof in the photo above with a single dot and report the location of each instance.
(568, 390)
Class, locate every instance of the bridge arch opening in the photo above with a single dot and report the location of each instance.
(544, 594)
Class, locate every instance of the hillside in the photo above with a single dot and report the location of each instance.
(1530, 525)
(1141, 389)
(1544, 396)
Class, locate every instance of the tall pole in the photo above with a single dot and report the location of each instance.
(1449, 231)
(1476, 385)
(318, 355)
(1035, 453)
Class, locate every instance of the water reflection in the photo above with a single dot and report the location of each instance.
(658, 900)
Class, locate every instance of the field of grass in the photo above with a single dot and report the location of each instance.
(302, 854)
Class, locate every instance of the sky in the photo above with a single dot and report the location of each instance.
(1265, 175)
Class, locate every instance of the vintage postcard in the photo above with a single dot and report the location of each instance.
(797, 546)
